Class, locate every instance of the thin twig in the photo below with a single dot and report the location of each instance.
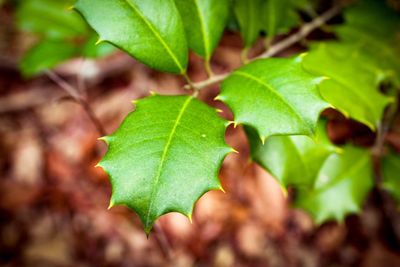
(74, 93)
(383, 129)
(305, 30)
(163, 242)
(378, 152)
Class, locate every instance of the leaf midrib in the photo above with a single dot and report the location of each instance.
(203, 30)
(355, 167)
(163, 158)
(269, 87)
(156, 34)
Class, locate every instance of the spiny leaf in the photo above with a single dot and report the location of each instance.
(165, 155)
(46, 55)
(354, 79)
(248, 14)
(275, 96)
(292, 160)
(341, 186)
(204, 22)
(375, 28)
(279, 16)
(150, 31)
(50, 18)
(391, 175)
(93, 50)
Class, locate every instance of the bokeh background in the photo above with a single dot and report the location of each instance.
(53, 201)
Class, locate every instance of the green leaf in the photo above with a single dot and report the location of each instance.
(275, 96)
(150, 31)
(46, 55)
(50, 18)
(292, 160)
(375, 28)
(279, 16)
(204, 22)
(353, 81)
(93, 50)
(165, 156)
(341, 186)
(248, 14)
(391, 175)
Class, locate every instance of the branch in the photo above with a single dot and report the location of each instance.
(74, 93)
(305, 30)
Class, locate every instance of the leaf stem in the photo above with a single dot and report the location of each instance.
(244, 55)
(207, 67)
(305, 30)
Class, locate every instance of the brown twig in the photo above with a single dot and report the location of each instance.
(74, 93)
(305, 30)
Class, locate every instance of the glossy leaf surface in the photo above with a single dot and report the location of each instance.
(275, 96)
(249, 14)
(375, 28)
(391, 175)
(150, 31)
(204, 22)
(279, 16)
(353, 81)
(293, 160)
(340, 187)
(46, 55)
(50, 18)
(165, 156)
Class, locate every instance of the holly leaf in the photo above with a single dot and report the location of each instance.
(248, 14)
(50, 19)
(150, 31)
(165, 156)
(376, 28)
(204, 22)
(353, 78)
(391, 178)
(340, 187)
(293, 160)
(46, 55)
(279, 16)
(275, 96)
(93, 50)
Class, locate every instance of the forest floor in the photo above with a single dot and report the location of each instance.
(53, 201)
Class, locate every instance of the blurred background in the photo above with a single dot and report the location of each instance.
(53, 201)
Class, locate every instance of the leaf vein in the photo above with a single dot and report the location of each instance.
(163, 158)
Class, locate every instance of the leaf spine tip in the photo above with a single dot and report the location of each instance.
(263, 138)
(111, 204)
(219, 110)
(99, 41)
(229, 123)
(300, 57)
(152, 93)
(235, 124)
(218, 97)
(232, 150)
(222, 189)
(284, 191)
(104, 139)
(70, 8)
(338, 150)
(331, 106)
(190, 218)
